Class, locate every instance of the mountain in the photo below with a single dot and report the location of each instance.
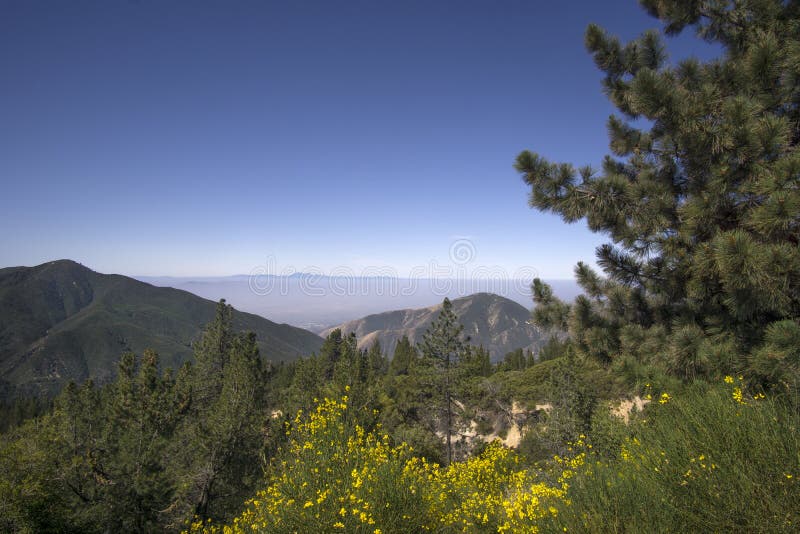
(61, 321)
(499, 324)
(315, 302)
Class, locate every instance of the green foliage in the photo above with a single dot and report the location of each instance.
(215, 450)
(571, 406)
(128, 456)
(528, 386)
(99, 457)
(515, 360)
(442, 348)
(331, 353)
(701, 203)
(14, 413)
(339, 365)
(550, 313)
(534, 385)
(553, 348)
(405, 357)
(376, 361)
(776, 364)
(81, 321)
(335, 475)
(29, 503)
(147, 451)
(475, 362)
(688, 465)
(406, 411)
(442, 344)
(153, 450)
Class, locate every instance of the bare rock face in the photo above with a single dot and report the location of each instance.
(499, 324)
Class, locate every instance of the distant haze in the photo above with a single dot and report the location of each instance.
(317, 302)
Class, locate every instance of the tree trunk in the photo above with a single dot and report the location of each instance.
(448, 408)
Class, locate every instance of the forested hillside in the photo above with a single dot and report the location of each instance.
(61, 322)
(666, 398)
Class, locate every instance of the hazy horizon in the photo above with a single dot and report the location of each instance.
(315, 302)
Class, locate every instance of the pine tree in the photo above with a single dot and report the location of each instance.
(530, 358)
(140, 420)
(378, 364)
(350, 366)
(700, 196)
(216, 450)
(515, 360)
(572, 404)
(407, 397)
(331, 353)
(211, 353)
(306, 383)
(476, 362)
(405, 354)
(79, 438)
(442, 346)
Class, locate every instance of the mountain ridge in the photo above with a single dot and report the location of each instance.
(498, 323)
(62, 321)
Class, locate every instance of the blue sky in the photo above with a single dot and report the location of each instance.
(202, 138)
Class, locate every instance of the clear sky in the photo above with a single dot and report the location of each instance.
(201, 138)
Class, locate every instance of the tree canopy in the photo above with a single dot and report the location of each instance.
(443, 347)
(699, 196)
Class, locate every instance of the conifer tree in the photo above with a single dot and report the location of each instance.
(700, 196)
(348, 364)
(530, 358)
(407, 397)
(131, 463)
(217, 447)
(330, 354)
(443, 347)
(404, 357)
(211, 353)
(476, 362)
(515, 360)
(378, 364)
(79, 438)
(306, 383)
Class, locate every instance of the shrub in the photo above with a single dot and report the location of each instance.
(719, 460)
(334, 475)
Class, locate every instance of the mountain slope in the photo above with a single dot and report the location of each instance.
(61, 321)
(499, 324)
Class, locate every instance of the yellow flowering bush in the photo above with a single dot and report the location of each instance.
(702, 451)
(489, 492)
(334, 475)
